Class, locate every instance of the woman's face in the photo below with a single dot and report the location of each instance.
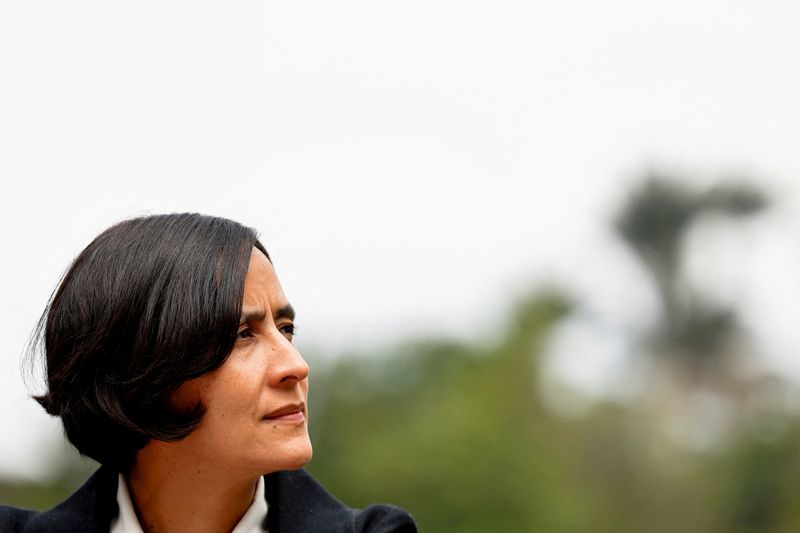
(256, 417)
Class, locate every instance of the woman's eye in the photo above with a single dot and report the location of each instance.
(245, 333)
(288, 330)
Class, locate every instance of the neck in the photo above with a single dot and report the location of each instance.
(174, 492)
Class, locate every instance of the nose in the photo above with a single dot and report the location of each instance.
(287, 366)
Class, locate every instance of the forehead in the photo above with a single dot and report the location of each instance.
(261, 285)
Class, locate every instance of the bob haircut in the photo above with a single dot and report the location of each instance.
(151, 303)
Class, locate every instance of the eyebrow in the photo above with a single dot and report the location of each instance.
(287, 311)
(257, 315)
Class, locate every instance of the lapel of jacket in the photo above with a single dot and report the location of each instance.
(298, 504)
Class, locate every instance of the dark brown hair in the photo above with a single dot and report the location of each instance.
(151, 303)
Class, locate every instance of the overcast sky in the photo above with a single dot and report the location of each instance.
(412, 166)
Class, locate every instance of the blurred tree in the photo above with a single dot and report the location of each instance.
(698, 392)
(655, 223)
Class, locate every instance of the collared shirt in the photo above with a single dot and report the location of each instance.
(251, 522)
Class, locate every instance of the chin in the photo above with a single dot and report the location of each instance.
(300, 457)
(299, 462)
(291, 457)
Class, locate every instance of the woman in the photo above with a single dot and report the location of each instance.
(170, 361)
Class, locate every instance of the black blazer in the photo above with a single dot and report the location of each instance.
(297, 504)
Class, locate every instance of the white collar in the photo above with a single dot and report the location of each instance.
(251, 521)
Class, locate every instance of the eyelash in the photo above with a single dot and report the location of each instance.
(245, 333)
(290, 330)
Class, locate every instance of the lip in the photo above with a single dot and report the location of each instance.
(294, 412)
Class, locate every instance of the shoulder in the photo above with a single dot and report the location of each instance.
(381, 517)
(89, 509)
(297, 502)
(13, 519)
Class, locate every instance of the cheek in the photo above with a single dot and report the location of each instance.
(233, 397)
(304, 388)
(224, 398)
(188, 395)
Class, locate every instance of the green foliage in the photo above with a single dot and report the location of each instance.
(763, 480)
(452, 439)
(458, 435)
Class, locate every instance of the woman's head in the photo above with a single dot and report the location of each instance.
(143, 321)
